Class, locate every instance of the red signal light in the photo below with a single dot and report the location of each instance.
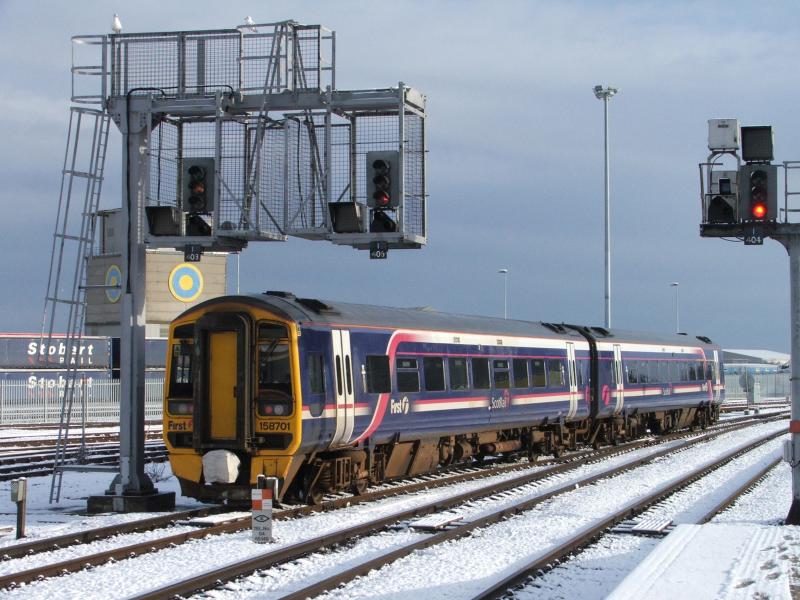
(381, 199)
(759, 211)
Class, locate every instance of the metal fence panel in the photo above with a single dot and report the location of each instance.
(95, 401)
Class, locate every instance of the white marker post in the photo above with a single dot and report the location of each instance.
(266, 489)
(19, 495)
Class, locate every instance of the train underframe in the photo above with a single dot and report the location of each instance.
(354, 469)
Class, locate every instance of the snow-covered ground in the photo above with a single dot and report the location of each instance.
(448, 571)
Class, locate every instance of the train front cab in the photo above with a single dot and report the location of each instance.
(232, 401)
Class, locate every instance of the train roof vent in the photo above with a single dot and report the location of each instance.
(555, 327)
(601, 331)
(705, 339)
(316, 305)
(287, 295)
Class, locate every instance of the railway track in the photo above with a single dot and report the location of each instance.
(295, 550)
(35, 457)
(20, 443)
(240, 523)
(453, 529)
(33, 464)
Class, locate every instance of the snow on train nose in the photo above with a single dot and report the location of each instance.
(220, 466)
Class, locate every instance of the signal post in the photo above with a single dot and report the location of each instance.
(742, 203)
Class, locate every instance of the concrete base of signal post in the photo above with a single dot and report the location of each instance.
(152, 502)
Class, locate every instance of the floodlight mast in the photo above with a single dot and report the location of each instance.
(605, 94)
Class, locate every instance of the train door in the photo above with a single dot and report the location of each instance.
(223, 343)
(573, 381)
(715, 382)
(345, 398)
(619, 379)
(222, 385)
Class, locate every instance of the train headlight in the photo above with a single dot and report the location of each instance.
(180, 407)
(274, 403)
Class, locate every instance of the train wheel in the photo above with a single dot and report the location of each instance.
(314, 496)
(312, 490)
(359, 486)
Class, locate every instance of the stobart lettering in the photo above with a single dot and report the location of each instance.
(52, 382)
(79, 354)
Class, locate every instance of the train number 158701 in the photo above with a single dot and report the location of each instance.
(274, 426)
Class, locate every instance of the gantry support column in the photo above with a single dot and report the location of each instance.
(131, 490)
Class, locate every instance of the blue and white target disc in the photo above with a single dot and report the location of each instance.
(186, 282)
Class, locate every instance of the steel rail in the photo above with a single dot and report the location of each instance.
(101, 533)
(739, 491)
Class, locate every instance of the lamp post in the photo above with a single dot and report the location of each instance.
(605, 95)
(504, 273)
(677, 314)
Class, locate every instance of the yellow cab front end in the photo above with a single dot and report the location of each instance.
(232, 399)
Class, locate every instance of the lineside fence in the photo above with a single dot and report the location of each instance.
(768, 386)
(95, 402)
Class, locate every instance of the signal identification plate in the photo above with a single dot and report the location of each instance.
(753, 236)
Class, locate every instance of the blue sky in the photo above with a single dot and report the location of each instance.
(515, 140)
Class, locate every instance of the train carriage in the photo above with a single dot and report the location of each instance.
(328, 396)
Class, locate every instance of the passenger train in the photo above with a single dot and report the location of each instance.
(330, 396)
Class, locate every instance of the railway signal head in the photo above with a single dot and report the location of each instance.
(383, 180)
(759, 193)
(198, 186)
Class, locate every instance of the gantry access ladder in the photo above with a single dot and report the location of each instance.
(73, 242)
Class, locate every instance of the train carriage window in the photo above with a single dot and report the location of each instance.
(502, 379)
(480, 374)
(684, 370)
(674, 371)
(663, 371)
(641, 371)
(316, 372)
(457, 367)
(630, 367)
(652, 371)
(433, 369)
(316, 378)
(180, 380)
(407, 375)
(709, 371)
(539, 377)
(378, 378)
(520, 373)
(579, 366)
(555, 372)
